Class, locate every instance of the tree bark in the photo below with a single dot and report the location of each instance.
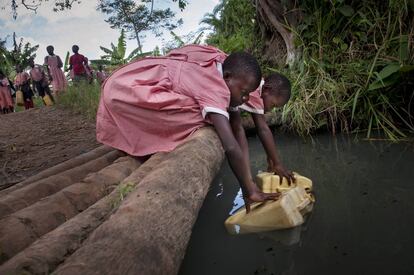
(149, 232)
(28, 224)
(64, 166)
(33, 192)
(275, 18)
(44, 255)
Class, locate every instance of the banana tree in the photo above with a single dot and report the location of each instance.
(179, 41)
(20, 54)
(115, 56)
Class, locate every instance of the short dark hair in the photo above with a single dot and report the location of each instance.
(75, 48)
(279, 85)
(240, 63)
(50, 47)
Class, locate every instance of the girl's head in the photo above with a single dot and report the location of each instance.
(75, 48)
(2, 75)
(50, 49)
(275, 91)
(242, 74)
(19, 68)
(100, 68)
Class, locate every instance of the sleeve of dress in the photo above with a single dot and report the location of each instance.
(207, 87)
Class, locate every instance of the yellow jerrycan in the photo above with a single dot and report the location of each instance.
(47, 100)
(286, 212)
(19, 98)
(270, 183)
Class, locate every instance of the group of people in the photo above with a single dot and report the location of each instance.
(154, 104)
(38, 79)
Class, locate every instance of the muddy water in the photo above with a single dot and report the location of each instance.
(362, 223)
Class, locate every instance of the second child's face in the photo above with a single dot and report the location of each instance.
(240, 87)
(271, 101)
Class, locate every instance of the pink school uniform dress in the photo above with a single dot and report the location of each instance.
(36, 73)
(154, 104)
(59, 82)
(22, 83)
(101, 76)
(6, 100)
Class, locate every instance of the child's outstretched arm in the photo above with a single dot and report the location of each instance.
(239, 134)
(266, 137)
(238, 162)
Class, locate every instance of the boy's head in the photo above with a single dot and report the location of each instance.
(2, 75)
(242, 74)
(19, 68)
(31, 62)
(75, 48)
(275, 91)
(50, 49)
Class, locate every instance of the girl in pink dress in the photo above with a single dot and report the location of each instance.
(6, 101)
(22, 83)
(274, 91)
(154, 104)
(101, 75)
(54, 68)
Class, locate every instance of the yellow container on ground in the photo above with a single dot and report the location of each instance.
(270, 183)
(47, 100)
(271, 215)
(19, 98)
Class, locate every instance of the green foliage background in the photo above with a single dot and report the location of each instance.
(355, 68)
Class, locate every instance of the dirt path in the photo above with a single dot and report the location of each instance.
(34, 140)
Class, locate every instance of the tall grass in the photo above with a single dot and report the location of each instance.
(356, 69)
(82, 98)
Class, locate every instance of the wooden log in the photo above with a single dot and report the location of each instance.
(66, 165)
(31, 193)
(44, 255)
(28, 224)
(149, 232)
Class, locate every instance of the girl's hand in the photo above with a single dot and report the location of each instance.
(258, 196)
(281, 171)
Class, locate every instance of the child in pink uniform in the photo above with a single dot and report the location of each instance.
(274, 91)
(6, 101)
(39, 80)
(276, 94)
(54, 69)
(101, 75)
(153, 104)
(22, 83)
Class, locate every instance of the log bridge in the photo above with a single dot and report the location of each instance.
(107, 213)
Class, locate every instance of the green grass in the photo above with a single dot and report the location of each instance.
(122, 191)
(354, 68)
(82, 98)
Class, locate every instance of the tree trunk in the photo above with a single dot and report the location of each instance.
(149, 232)
(138, 40)
(275, 18)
